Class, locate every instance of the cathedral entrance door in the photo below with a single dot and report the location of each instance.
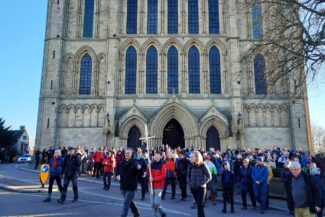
(213, 139)
(134, 138)
(174, 134)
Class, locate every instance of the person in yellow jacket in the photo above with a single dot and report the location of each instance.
(269, 178)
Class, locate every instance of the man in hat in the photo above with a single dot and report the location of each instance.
(260, 175)
(70, 169)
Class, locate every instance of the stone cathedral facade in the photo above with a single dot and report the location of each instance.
(112, 66)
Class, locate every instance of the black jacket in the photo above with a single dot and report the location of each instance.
(71, 165)
(182, 167)
(129, 173)
(310, 191)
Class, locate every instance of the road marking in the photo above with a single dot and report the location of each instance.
(115, 198)
(104, 203)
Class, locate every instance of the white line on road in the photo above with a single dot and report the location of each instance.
(115, 198)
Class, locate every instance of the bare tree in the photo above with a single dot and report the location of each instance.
(293, 40)
(318, 136)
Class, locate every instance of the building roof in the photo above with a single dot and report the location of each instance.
(17, 134)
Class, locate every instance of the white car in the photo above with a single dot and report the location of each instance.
(26, 158)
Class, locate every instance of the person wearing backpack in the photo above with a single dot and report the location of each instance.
(198, 176)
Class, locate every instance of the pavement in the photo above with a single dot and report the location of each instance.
(275, 204)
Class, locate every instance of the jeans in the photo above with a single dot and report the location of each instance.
(199, 197)
(107, 179)
(173, 183)
(251, 195)
(51, 181)
(129, 203)
(67, 180)
(157, 201)
(260, 192)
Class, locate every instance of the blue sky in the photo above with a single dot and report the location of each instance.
(22, 42)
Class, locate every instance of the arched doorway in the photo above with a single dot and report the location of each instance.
(213, 139)
(174, 134)
(134, 138)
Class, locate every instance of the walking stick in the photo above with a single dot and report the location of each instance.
(146, 138)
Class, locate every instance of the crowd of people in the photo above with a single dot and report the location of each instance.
(250, 171)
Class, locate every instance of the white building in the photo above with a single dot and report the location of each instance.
(21, 140)
(110, 67)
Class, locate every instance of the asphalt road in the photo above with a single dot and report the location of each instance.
(96, 202)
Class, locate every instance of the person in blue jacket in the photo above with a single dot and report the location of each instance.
(260, 174)
(55, 173)
(246, 183)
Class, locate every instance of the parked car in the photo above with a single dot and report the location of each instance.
(26, 158)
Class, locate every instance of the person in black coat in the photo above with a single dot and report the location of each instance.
(70, 170)
(181, 170)
(228, 183)
(37, 155)
(317, 182)
(129, 171)
(301, 192)
(246, 183)
(142, 176)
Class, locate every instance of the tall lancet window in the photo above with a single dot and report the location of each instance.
(172, 16)
(215, 74)
(132, 16)
(257, 19)
(194, 70)
(259, 72)
(193, 17)
(85, 75)
(88, 19)
(172, 61)
(152, 70)
(130, 71)
(214, 16)
(152, 17)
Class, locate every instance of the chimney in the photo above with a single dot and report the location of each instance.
(22, 128)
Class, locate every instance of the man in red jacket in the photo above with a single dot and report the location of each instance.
(109, 166)
(170, 175)
(158, 171)
(98, 160)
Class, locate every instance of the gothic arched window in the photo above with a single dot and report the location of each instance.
(172, 16)
(215, 71)
(132, 16)
(152, 19)
(130, 71)
(214, 16)
(88, 19)
(85, 75)
(172, 56)
(257, 19)
(194, 70)
(193, 17)
(152, 70)
(259, 72)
